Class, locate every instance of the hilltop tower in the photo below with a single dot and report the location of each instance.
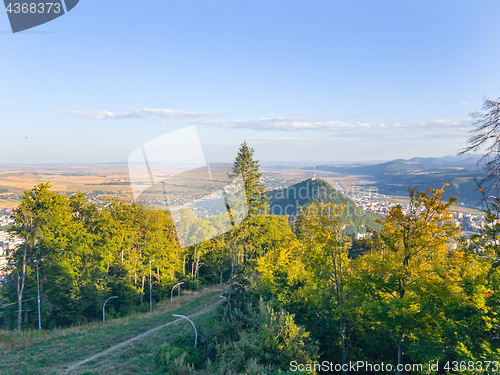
(314, 176)
(209, 171)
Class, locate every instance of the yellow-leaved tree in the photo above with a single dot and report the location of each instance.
(402, 283)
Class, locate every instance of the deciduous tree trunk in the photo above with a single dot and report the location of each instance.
(20, 288)
(143, 281)
(230, 286)
(399, 343)
(343, 344)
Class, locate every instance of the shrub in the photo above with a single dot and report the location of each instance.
(264, 341)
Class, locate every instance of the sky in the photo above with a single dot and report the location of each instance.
(299, 81)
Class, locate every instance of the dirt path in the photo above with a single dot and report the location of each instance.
(135, 338)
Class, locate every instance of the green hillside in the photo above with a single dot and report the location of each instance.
(287, 202)
(96, 346)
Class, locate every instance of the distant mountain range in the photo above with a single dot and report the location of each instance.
(394, 177)
(288, 201)
(404, 166)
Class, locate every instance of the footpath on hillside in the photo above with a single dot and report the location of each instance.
(109, 351)
(120, 346)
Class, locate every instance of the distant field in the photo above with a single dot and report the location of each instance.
(64, 179)
(9, 203)
(108, 181)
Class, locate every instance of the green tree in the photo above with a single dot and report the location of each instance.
(402, 283)
(89, 253)
(245, 166)
(249, 242)
(31, 219)
(331, 263)
(485, 248)
(326, 258)
(309, 276)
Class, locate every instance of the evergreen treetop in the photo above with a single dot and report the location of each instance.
(247, 168)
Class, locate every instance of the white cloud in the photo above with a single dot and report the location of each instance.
(366, 114)
(465, 103)
(280, 139)
(295, 123)
(10, 106)
(440, 124)
(140, 113)
(290, 123)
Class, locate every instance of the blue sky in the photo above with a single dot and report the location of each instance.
(300, 81)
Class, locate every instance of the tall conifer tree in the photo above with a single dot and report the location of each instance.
(245, 166)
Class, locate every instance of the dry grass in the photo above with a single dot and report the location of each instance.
(11, 341)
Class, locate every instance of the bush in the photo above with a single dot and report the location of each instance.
(264, 341)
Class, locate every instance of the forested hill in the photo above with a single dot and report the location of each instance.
(287, 202)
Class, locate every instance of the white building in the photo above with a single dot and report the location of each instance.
(6, 244)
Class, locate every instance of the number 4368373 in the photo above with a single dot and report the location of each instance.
(33, 8)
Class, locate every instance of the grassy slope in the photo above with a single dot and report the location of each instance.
(54, 351)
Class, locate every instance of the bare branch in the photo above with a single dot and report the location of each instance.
(487, 134)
